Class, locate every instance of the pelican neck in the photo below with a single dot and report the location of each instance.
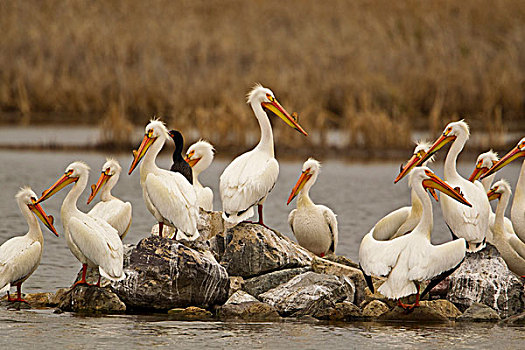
(424, 227)
(34, 232)
(266, 141)
(148, 163)
(70, 202)
(500, 212)
(303, 199)
(450, 170)
(105, 194)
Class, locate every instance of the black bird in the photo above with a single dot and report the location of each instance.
(179, 164)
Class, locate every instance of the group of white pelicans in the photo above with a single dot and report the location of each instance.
(398, 246)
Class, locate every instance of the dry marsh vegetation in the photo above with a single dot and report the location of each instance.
(371, 70)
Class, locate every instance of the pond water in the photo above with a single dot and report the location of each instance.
(359, 193)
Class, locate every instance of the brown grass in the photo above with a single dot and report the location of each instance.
(371, 69)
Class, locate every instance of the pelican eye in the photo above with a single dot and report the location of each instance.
(447, 131)
(522, 145)
(480, 164)
(150, 133)
(428, 172)
(68, 173)
(270, 97)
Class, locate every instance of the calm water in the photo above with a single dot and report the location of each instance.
(360, 193)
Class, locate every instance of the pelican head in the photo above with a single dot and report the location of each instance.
(515, 153)
(500, 188)
(200, 155)
(153, 131)
(426, 177)
(73, 173)
(26, 196)
(484, 162)
(420, 151)
(310, 171)
(110, 170)
(265, 97)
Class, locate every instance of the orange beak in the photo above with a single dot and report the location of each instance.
(299, 185)
(46, 219)
(440, 185)
(62, 182)
(147, 141)
(492, 194)
(477, 173)
(406, 169)
(278, 110)
(104, 177)
(190, 161)
(513, 154)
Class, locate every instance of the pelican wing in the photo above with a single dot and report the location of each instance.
(379, 257)
(247, 180)
(175, 199)
(387, 227)
(427, 260)
(518, 245)
(331, 221)
(291, 218)
(19, 257)
(115, 212)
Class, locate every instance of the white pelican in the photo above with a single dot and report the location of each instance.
(91, 240)
(517, 212)
(314, 226)
(20, 256)
(410, 259)
(511, 248)
(199, 156)
(168, 195)
(403, 220)
(471, 223)
(249, 178)
(110, 208)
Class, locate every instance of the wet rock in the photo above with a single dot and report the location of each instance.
(375, 308)
(418, 314)
(516, 320)
(484, 278)
(240, 297)
(479, 313)
(40, 300)
(236, 283)
(309, 294)
(249, 250)
(343, 260)
(344, 311)
(91, 299)
(248, 311)
(164, 274)
(191, 313)
(260, 284)
(440, 290)
(210, 224)
(443, 306)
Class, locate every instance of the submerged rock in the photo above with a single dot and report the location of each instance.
(164, 274)
(515, 320)
(418, 314)
(91, 299)
(260, 284)
(484, 278)
(344, 311)
(248, 311)
(191, 313)
(309, 294)
(479, 313)
(375, 308)
(249, 250)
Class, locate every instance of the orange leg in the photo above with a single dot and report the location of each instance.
(18, 295)
(83, 279)
(260, 212)
(161, 228)
(98, 283)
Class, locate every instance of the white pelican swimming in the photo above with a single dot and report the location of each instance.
(247, 181)
(20, 256)
(410, 259)
(168, 195)
(91, 240)
(403, 220)
(517, 212)
(471, 223)
(199, 156)
(110, 208)
(511, 248)
(314, 226)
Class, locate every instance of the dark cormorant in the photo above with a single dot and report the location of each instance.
(179, 164)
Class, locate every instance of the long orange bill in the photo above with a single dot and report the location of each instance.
(408, 166)
(433, 193)
(440, 185)
(299, 185)
(62, 182)
(492, 194)
(477, 173)
(513, 154)
(138, 155)
(278, 110)
(41, 214)
(104, 177)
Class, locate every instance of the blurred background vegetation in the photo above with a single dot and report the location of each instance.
(367, 74)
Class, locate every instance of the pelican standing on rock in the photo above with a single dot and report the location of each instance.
(314, 226)
(20, 256)
(199, 156)
(517, 212)
(168, 195)
(412, 258)
(511, 248)
(249, 178)
(179, 164)
(471, 223)
(91, 240)
(111, 209)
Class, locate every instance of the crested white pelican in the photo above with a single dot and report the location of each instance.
(110, 208)
(249, 178)
(471, 223)
(20, 256)
(403, 220)
(199, 156)
(314, 226)
(168, 195)
(412, 258)
(517, 212)
(511, 248)
(91, 240)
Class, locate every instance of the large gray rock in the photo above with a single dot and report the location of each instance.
(479, 313)
(249, 250)
(375, 308)
(164, 274)
(248, 311)
(91, 299)
(309, 294)
(418, 314)
(260, 284)
(515, 320)
(484, 278)
(343, 311)
(240, 297)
